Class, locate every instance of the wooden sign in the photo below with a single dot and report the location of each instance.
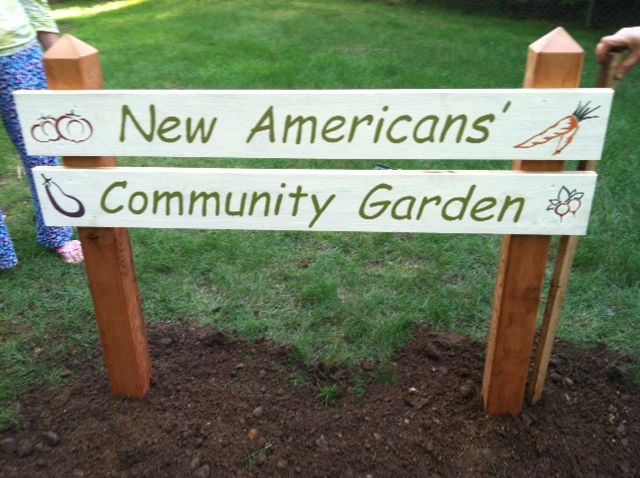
(326, 124)
(495, 202)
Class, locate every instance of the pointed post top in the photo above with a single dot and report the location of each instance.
(557, 40)
(71, 64)
(69, 48)
(554, 61)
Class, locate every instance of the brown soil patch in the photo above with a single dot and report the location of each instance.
(230, 408)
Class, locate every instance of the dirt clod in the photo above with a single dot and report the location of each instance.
(466, 389)
(8, 446)
(203, 472)
(25, 448)
(51, 438)
(322, 443)
(366, 365)
(621, 430)
(194, 464)
(555, 377)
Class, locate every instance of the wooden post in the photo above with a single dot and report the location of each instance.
(564, 261)
(554, 61)
(72, 64)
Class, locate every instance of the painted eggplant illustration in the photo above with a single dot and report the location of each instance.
(52, 189)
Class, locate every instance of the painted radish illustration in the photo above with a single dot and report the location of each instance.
(566, 202)
(563, 130)
(69, 126)
(53, 189)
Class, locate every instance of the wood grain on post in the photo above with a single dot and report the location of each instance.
(73, 65)
(567, 250)
(554, 61)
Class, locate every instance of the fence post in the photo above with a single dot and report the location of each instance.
(72, 64)
(554, 61)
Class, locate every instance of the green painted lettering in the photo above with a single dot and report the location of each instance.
(449, 122)
(296, 196)
(126, 113)
(299, 121)
(195, 197)
(319, 208)
(390, 136)
(431, 137)
(265, 123)
(357, 121)
(381, 205)
(240, 210)
(477, 125)
(426, 200)
(167, 197)
(199, 129)
(255, 198)
(376, 136)
(143, 205)
(399, 204)
(508, 202)
(329, 128)
(483, 205)
(166, 126)
(103, 200)
(463, 201)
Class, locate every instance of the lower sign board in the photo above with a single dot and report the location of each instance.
(494, 202)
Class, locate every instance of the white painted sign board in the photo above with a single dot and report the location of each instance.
(496, 202)
(507, 124)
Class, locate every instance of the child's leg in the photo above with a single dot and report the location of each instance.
(24, 71)
(8, 257)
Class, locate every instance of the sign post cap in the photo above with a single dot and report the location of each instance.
(557, 40)
(69, 47)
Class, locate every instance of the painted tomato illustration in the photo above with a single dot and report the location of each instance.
(69, 126)
(566, 202)
(45, 130)
(58, 197)
(74, 127)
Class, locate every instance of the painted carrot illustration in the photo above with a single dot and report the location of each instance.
(563, 130)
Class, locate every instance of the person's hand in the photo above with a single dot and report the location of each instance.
(47, 39)
(624, 39)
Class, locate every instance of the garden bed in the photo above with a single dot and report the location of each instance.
(220, 407)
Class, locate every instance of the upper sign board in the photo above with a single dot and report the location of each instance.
(537, 124)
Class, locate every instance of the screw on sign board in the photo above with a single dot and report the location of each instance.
(538, 128)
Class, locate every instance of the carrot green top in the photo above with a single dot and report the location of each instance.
(20, 20)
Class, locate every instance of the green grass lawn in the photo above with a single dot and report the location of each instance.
(340, 298)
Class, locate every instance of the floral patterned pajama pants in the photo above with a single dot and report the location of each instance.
(24, 71)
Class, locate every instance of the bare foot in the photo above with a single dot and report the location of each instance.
(71, 252)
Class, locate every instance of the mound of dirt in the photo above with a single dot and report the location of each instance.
(220, 407)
